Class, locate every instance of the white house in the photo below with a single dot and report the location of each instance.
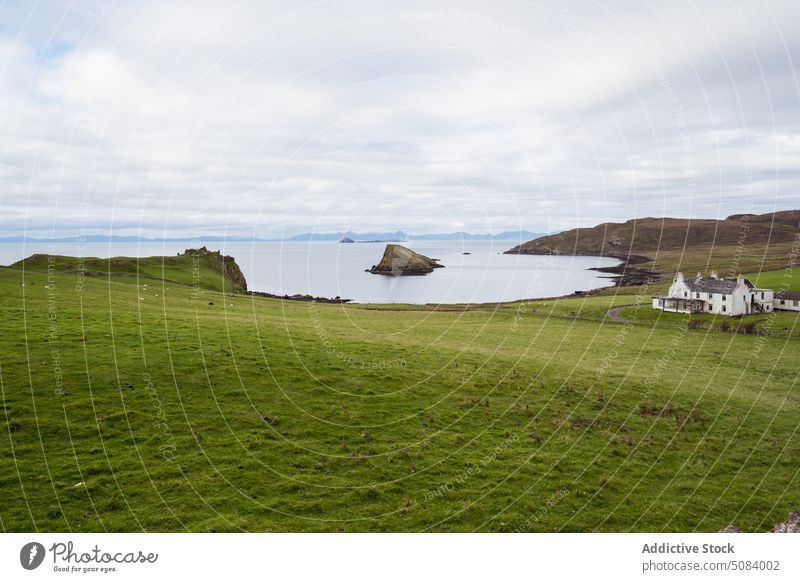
(788, 300)
(714, 295)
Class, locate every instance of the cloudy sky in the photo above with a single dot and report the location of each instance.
(258, 118)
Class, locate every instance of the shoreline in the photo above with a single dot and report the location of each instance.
(624, 274)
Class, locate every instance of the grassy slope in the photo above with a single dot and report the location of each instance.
(181, 269)
(504, 410)
(775, 280)
(753, 257)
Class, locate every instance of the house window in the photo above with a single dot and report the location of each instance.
(709, 307)
(797, 303)
(697, 295)
(724, 297)
(762, 295)
(685, 293)
(723, 308)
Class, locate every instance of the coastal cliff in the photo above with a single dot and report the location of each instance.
(223, 264)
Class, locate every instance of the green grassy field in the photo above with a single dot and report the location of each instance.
(169, 408)
(776, 280)
(728, 260)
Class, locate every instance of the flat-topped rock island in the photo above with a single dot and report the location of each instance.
(398, 260)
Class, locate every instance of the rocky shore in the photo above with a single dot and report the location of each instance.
(791, 525)
(626, 275)
(299, 297)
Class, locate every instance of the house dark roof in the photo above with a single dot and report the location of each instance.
(711, 285)
(792, 295)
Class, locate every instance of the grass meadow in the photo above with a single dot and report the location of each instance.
(133, 404)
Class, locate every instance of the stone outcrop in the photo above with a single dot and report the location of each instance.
(791, 525)
(224, 264)
(398, 260)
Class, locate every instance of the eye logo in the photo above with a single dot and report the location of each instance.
(31, 555)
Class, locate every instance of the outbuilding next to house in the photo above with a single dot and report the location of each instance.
(788, 300)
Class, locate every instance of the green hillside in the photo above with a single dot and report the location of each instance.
(199, 268)
(161, 408)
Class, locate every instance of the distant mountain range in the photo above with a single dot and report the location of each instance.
(399, 235)
(100, 238)
(519, 236)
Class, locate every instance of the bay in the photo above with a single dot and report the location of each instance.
(330, 269)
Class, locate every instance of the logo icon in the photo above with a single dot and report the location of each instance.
(31, 555)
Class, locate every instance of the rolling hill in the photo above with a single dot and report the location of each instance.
(650, 235)
(739, 242)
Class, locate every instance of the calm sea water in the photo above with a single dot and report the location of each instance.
(328, 269)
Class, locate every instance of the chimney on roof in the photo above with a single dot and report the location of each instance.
(714, 275)
(699, 276)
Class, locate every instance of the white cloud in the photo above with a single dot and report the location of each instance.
(249, 116)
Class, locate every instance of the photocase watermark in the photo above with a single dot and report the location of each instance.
(53, 334)
(31, 555)
(611, 357)
(741, 22)
(168, 447)
(196, 278)
(80, 264)
(472, 470)
(736, 259)
(67, 559)
(663, 363)
(679, 114)
(569, 20)
(536, 516)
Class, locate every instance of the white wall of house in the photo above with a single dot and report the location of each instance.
(726, 304)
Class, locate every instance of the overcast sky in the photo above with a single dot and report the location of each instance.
(257, 118)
